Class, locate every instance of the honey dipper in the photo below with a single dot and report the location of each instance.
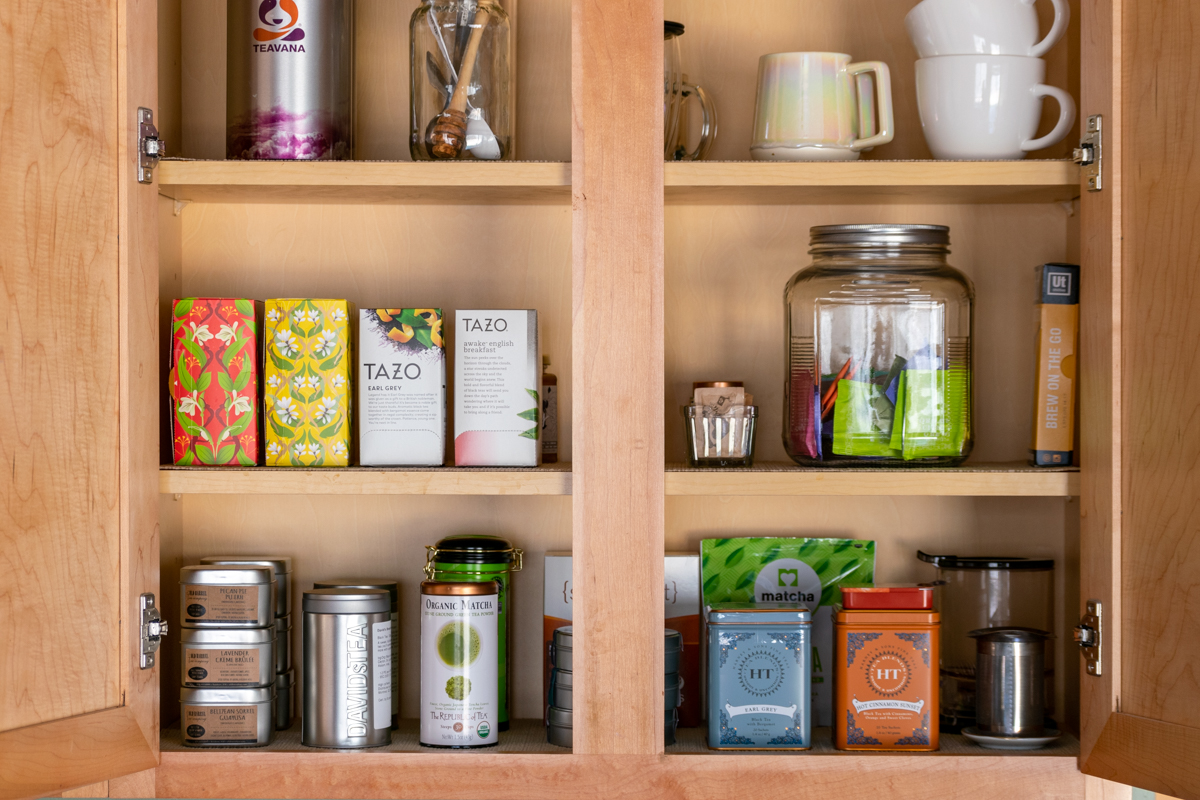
(448, 132)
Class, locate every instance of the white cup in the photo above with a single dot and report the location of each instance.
(985, 27)
(987, 107)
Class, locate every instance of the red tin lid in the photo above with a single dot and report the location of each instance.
(862, 598)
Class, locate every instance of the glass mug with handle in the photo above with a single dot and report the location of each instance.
(817, 106)
(676, 93)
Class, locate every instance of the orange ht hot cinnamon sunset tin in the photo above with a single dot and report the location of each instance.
(886, 695)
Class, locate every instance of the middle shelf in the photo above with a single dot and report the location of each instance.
(767, 479)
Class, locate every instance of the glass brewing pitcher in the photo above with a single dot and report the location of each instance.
(676, 93)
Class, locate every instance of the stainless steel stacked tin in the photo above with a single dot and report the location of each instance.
(559, 723)
(284, 672)
(228, 655)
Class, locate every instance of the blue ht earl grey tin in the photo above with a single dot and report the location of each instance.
(759, 677)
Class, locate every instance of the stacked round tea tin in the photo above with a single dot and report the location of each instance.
(559, 727)
(229, 652)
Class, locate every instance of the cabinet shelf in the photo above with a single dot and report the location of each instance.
(871, 182)
(467, 183)
(769, 479)
(525, 766)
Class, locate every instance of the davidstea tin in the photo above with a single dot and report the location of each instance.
(759, 677)
(227, 717)
(227, 597)
(477, 558)
(347, 668)
(460, 703)
(236, 657)
(290, 79)
(393, 589)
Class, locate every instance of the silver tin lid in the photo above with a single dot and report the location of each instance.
(560, 717)
(673, 641)
(564, 638)
(877, 236)
(226, 576)
(672, 681)
(285, 680)
(221, 697)
(758, 613)
(562, 677)
(386, 584)
(281, 564)
(1011, 635)
(347, 601)
(283, 624)
(242, 636)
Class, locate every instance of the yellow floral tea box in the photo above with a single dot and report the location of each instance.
(401, 387)
(307, 382)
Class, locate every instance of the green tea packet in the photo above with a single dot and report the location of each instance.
(809, 572)
(934, 415)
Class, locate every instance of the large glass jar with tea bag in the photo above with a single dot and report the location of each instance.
(878, 350)
(461, 76)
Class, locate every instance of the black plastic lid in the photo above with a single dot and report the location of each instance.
(474, 549)
(1012, 634)
(672, 28)
(985, 562)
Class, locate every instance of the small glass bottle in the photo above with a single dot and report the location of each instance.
(461, 78)
(549, 414)
(878, 350)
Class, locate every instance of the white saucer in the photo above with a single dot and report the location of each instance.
(996, 742)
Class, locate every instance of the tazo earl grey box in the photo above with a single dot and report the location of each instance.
(497, 377)
(402, 387)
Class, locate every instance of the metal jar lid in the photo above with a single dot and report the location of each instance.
(877, 237)
(460, 588)
(985, 562)
(560, 717)
(564, 638)
(758, 614)
(672, 681)
(227, 636)
(347, 601)
(386, 584)
(672, 641)
(563, 678)
(285, 680)
(282, 565)
(226, 576)
(224, 697)
(473, 549)
(718, 385)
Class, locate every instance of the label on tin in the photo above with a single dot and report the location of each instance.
(395, 664)
(220, 724)
(459, 670)
(887, 688)
(220, 604)
(759, 695)
(224, 665)
(382, 648)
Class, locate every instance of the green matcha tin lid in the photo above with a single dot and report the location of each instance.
(468, 548)
(758, 614)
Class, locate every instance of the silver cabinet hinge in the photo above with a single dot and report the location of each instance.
(150, 147)
(1087, 155)
(153, 629)
(1087, 636)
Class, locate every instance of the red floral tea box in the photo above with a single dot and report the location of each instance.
(307, 382)
(214, 381)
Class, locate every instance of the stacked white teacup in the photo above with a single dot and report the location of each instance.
(980, 77)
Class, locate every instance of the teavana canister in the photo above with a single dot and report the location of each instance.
(460, 639)
(290, 79)
(227, 717)
(482, 558)
(227, 597)
(393, 589)
(282, 565)
(759, 676)
(236, 657)
(347, 668)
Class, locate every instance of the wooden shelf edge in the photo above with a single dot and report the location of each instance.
(553, 479)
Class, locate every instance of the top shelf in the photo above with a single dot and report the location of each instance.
(690, 183)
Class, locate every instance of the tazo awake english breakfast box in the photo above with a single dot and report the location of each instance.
(497, 374)
(681, 611)
(306, 400)
(402, 387)
(808, 572)
(214, 381)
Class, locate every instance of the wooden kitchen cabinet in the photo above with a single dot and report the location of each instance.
(647, 276)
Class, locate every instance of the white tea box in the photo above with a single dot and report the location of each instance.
(497, 377)
(402, 387)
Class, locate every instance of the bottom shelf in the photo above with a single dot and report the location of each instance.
(525, 766)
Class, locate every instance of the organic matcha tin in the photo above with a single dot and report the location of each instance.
(478, 558)
(759, 677)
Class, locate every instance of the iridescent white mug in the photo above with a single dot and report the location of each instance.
(816, 106)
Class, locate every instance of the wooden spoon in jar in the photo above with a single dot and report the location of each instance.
(448, 133)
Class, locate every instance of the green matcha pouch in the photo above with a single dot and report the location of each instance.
(934, 412)
(804, 571)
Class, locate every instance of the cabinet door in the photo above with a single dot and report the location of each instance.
(1140, 377)
(78, 399)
